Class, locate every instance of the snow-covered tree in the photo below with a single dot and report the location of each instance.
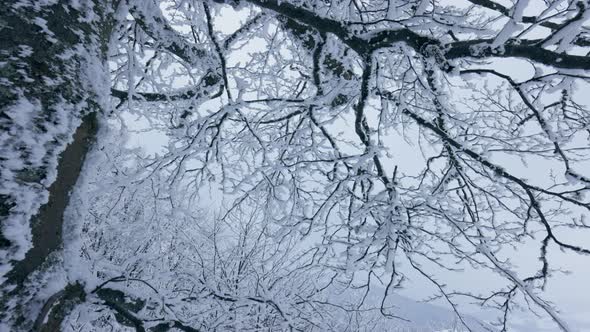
(312, 157)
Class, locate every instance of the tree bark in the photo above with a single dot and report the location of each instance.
(51, 93)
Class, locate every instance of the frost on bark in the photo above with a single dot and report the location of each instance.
(52, 81)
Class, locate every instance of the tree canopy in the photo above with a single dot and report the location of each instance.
(291, 165)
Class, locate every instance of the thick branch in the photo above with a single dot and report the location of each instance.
(480, 48)
(149, 17)
(581, 41)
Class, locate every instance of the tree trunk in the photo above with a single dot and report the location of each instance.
(53, 85)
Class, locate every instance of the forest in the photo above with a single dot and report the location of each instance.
(294, 165)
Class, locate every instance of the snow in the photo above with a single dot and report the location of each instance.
(156, 204)
(565, 36)
(282, 193)
(42, 23)
(36, 127)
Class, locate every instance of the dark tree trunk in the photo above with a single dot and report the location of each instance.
(50, 98)
(47, 223)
